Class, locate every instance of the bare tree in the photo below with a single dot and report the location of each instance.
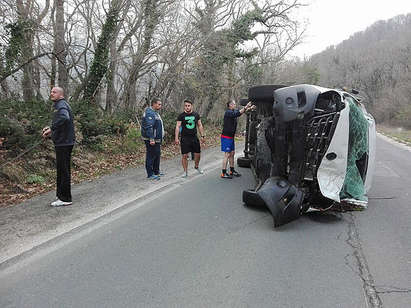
(99, 64)
(60, 45)
(30, 15)
(225, 26)
(151, 18)
(119, 53)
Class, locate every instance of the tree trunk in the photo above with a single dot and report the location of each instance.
(53, 69)
(27, 82)
(111, 95)
(30, 22)
(4, 93)
(212, 99)
(151, 18)
(60, 46)
(5, 90)
(27, 51)
(37, 79)
(99, 65)
(130, 91)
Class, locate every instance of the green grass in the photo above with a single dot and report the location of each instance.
(399, 134)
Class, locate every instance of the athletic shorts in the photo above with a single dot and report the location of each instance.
(190, 144)
(227, 144)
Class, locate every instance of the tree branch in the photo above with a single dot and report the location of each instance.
(6, 74)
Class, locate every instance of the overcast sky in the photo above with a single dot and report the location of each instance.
(332, 21)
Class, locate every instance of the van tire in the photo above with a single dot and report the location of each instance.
(244, 162)
(263, 94)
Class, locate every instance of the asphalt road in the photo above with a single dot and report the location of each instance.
(194, 244)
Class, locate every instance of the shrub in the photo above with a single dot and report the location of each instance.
(132, 139)
(403, 117)
(35, 179)
(169, 122)
(93, 122)
(21, 122)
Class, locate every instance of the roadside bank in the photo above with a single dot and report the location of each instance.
(28, 225)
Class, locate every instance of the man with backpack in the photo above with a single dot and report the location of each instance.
(152, 132)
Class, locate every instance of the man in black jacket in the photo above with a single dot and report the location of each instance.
(62, 134)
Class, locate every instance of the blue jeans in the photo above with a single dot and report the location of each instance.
(152, 158)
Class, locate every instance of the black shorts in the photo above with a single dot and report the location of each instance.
(190, 144)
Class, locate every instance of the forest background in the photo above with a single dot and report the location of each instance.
(113, 56)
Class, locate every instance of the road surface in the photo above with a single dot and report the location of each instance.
(194, 244)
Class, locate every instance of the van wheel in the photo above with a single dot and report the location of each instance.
(243, 101)
(263, 94)
(244, 162)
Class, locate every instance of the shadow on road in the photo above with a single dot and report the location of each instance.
(324, 217)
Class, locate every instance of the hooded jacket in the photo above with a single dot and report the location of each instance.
(152, 126)
(62, 126)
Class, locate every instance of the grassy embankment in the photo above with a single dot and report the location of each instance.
(399, 134)
(34, 174)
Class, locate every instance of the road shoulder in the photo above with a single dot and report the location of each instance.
(34, 222)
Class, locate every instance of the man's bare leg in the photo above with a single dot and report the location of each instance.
(184, 162)
(196, 159)
(231, 159)
(197, 162)
(233, 172)
(225, 160)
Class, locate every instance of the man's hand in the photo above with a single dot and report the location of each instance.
(250, 107)
(152, 142)
(202, 140)
(177, 141)
(46, 132)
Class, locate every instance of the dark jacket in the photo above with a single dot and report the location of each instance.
(62, 126)
(152, 126)
(230, 122)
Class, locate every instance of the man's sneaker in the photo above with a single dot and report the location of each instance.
(226, 176)
(161, 174)
(235, 173)
(154, 177)
(184, 175)
(200, 171)
(58, 202)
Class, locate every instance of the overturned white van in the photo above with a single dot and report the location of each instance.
(309, 148)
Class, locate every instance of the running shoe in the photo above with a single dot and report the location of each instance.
(58, 202)
(235, 173)
(226, 176)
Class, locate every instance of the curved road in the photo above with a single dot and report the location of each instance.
(196, 245)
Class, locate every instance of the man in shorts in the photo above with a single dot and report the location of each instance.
(188, 121)
(227, 137)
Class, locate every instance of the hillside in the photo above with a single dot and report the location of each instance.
(376, 61)
(105, 144)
